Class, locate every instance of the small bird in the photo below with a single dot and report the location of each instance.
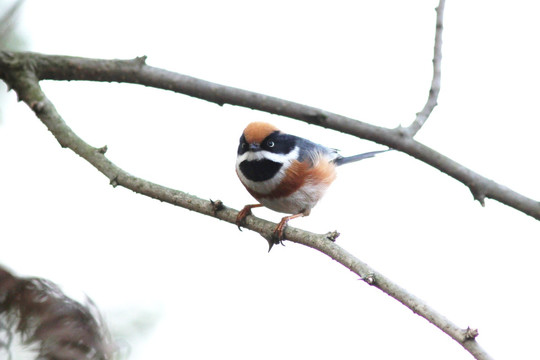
(285, 173)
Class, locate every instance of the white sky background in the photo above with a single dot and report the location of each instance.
(213, 291)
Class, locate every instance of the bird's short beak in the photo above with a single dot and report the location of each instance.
(254, 147)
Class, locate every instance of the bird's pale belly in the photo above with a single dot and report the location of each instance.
(301, 201)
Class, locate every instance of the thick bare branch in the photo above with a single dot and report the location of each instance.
(423, 115)
(137, 72)
(24, 81)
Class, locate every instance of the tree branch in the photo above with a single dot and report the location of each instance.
(51, 67)
(24, 79)
(423, 115)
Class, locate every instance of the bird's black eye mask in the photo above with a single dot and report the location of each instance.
(276, 142)
(279, 143)
(243, 146)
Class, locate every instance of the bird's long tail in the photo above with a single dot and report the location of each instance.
(349, 159)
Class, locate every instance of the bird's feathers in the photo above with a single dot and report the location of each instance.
(340, 160)
(287, 173)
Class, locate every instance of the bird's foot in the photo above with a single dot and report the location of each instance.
(277, 235)
(241, 217)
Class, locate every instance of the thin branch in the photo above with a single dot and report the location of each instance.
(51, 67)
(26, 84)
(423, 115)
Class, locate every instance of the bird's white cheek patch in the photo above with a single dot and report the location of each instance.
(263, 154)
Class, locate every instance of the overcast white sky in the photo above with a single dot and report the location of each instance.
(175, 284)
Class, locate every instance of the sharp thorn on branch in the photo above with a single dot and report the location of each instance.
(141, 60)
(333, 235)
(217, 206)
(114, 181)
(471, 334)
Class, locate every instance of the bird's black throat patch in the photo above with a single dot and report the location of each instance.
(260, 170)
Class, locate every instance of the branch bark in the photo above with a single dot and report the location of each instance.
(22, 72)
(51, 67)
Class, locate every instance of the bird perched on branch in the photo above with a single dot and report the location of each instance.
(285, 173)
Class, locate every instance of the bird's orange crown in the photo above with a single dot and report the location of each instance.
(257, 131)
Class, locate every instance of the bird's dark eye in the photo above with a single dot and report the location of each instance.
(270, 144)
(244, 145)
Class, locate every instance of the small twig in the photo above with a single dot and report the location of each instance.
(423, 115)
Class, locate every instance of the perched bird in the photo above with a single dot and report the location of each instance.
(285, 173)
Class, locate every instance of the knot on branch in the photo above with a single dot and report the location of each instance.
(478, 194)
(13, 63)
(369, 279)
(470, 334)
(404, 132)
(332, 235)
(217, 206)
(317, 118)
(103, 149)
(37, 106)
(114, 181)
(141, 60)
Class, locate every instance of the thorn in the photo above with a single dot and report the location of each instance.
(478, 195)
(471, 333)
(273, 240)
(141, 60)
(332, 235)
(370, 279)
(217, 206)
(103, 149)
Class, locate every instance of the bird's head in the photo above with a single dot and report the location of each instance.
(261, 140)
